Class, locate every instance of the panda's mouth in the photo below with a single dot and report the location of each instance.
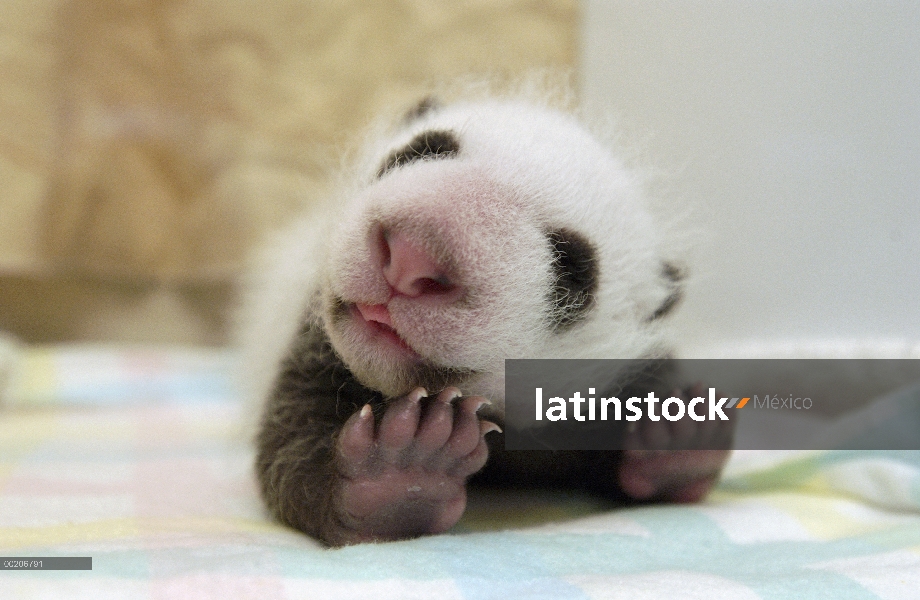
(376, 319)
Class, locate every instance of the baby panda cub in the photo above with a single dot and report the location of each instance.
(377, 331)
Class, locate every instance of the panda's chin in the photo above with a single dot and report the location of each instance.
(379, 364)
(381, 360)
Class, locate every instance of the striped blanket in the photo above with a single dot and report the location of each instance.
(134, 457)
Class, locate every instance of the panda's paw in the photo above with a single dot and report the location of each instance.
(676, 461)
(406, 475)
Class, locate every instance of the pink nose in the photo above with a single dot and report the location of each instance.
(410, 270)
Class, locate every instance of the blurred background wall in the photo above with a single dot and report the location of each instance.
(146, 145)
(791, 128)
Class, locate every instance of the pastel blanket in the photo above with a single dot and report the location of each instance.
(135, 458)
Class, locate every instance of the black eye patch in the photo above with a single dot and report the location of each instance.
(426, 145)
(576, 274)
(674, 277)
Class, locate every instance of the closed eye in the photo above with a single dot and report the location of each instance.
(576, 275)
(433, 144)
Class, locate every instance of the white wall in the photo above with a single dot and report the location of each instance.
(793, 128)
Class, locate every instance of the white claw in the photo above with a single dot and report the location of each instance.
(417, 394)
(452, 395)
(487, 426)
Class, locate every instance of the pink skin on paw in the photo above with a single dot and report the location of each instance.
(682, 465)
(407, 476)
(675, 475)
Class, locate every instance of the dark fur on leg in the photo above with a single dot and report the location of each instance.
(679, 475)
(299, 468)
(296, 461)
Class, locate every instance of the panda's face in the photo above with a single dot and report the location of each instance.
(479, 238)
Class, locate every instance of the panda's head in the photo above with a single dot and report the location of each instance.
(485, 231)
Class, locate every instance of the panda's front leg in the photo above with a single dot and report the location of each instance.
(356, 479)
(674, 461)
(406, 475)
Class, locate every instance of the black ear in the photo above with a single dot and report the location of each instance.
(424, 106)
(674, 276)
(428, 144)
(576, 270)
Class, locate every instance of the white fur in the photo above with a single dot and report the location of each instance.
(522, 169)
